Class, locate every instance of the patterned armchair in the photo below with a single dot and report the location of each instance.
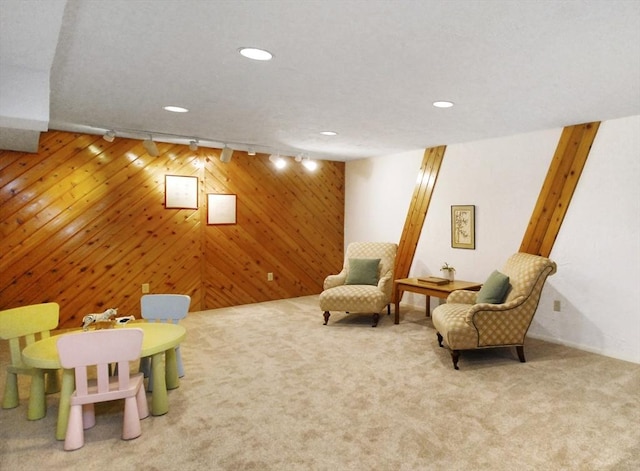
(364, 285)
(465, 325)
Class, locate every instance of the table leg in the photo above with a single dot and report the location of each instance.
(171, 359)
(428, 310)
(52, 382)
(397, 306)
(68, 385)
(37, 402)
(159, 400)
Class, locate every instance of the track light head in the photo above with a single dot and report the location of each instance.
(310, 165)
(109, 136)
(151, 147)
(278, 161)
(226, 154)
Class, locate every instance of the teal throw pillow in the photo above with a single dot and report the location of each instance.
(494, 290)
(363, 271)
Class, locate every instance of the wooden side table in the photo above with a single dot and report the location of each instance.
(428, 289)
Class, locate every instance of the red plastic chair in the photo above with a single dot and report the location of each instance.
(100, 348)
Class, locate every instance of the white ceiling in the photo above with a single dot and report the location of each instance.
(366, 69)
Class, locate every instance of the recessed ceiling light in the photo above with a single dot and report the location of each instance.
(176, 109)
(255, 53)
(443, 104)
(328, 133)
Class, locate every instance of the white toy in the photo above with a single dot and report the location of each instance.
(93, 318)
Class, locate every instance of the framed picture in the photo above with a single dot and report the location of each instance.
(463, 230)
(180, 192)
(221, 209)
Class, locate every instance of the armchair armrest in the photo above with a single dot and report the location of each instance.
(462, 296)
(332, 281)
(385, 284)
(512, 317)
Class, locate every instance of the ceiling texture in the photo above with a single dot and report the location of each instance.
(366, 69)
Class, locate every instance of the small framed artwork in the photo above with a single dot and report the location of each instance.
(180, 192)
(463, 227)
(221, 209)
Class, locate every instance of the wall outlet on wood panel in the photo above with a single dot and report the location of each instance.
(270, 276)
(145, 288)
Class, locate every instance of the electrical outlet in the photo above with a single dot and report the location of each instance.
(145, 288)
(270, 276)
(556, 305)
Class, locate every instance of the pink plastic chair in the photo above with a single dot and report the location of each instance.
(100, 348)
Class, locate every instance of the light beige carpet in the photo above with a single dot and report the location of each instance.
(268, 387)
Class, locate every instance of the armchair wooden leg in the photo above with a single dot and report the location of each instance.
(326, 317)
(520, 350)
(388, 309)
(439, 339)
(376, 318)
(455, 356)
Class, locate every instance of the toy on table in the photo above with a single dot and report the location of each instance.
(105, 317)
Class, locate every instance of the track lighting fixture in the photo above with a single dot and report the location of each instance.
(109, 136)
(278, 161)
(310, 165)
(226, 154)
(151, 147)
(193, 145)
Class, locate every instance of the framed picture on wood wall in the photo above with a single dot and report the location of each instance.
(221, 209)
(463, 230)
(180, 192)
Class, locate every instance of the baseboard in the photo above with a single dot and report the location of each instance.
(586, 348)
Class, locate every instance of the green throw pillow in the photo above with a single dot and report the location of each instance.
(363, 271)
(494, 290)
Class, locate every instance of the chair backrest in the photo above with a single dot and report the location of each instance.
(165, 307)
(385, 251)
(527, 274)
(21, 324)
(100, 348)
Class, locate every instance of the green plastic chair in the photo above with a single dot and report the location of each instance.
(22, 326)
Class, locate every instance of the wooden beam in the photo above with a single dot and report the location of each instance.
(418, 210)
(557, 190)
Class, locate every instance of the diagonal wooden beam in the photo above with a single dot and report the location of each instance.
(418, 210)
(557, 190)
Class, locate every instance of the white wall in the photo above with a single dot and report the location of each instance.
(597, 250)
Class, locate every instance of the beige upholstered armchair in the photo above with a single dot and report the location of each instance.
(365, 283)
(499, 315)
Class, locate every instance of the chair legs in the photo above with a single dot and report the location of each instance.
(455, 354)
(131, 422)
(179, 362)
(376, 317)
(74, 438)
(141, 401)
(147, 369)
(520, 350)
(10, 398)
(82, 417)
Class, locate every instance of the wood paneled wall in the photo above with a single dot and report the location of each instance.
(83, 224)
